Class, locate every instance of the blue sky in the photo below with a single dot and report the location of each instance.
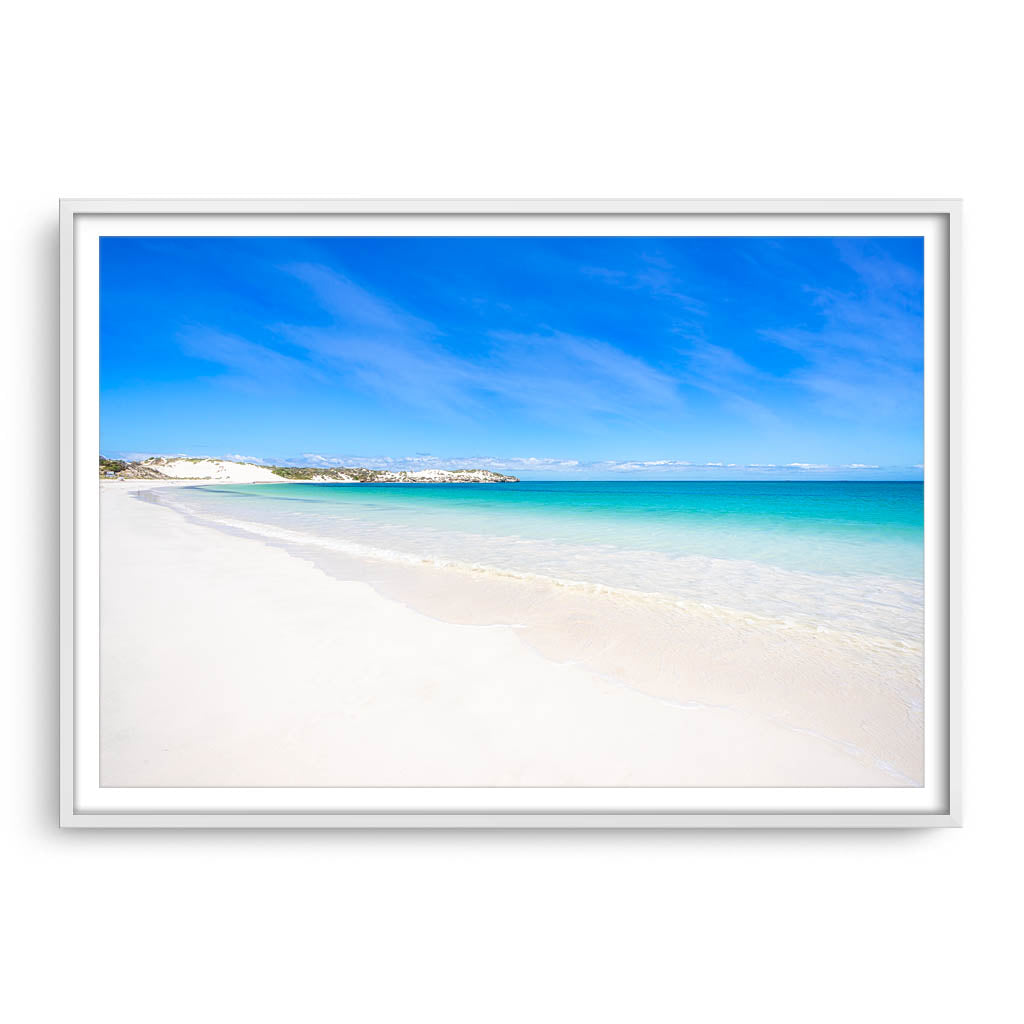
(576, 357)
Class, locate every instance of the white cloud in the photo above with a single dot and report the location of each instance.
(246, 458)
(551, 467)
(407, 361)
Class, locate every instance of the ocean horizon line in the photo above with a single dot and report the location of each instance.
(667, 480)
(568, 470)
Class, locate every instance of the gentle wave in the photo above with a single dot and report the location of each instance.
(891, 628)
(837, 529)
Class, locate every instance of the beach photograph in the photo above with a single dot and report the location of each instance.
(511, 511)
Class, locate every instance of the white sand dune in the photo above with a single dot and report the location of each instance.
(226, 662)
(213, 469)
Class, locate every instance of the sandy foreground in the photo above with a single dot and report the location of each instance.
(227, 662)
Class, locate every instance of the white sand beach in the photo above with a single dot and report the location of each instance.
(228, 662)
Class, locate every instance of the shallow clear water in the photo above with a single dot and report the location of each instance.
(871, 527)
(849, 555)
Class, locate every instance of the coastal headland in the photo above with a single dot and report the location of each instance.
(182, 467)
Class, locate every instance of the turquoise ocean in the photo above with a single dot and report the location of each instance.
(847, 555)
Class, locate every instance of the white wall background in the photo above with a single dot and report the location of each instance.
(529, 99)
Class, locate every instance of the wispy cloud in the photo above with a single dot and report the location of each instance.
(722, 372)
(548, 374)
(712, 368)
(378, 345)
(864, 356)
(547, 371)
(654, 274)
(252, 365)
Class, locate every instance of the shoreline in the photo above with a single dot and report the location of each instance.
(453, 675)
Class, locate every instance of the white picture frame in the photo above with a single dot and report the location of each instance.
(83, 804)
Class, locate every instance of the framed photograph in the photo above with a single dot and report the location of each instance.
(509, 514)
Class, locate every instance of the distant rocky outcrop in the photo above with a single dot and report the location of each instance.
(228, 471)
(129, 470)
(357, 474)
